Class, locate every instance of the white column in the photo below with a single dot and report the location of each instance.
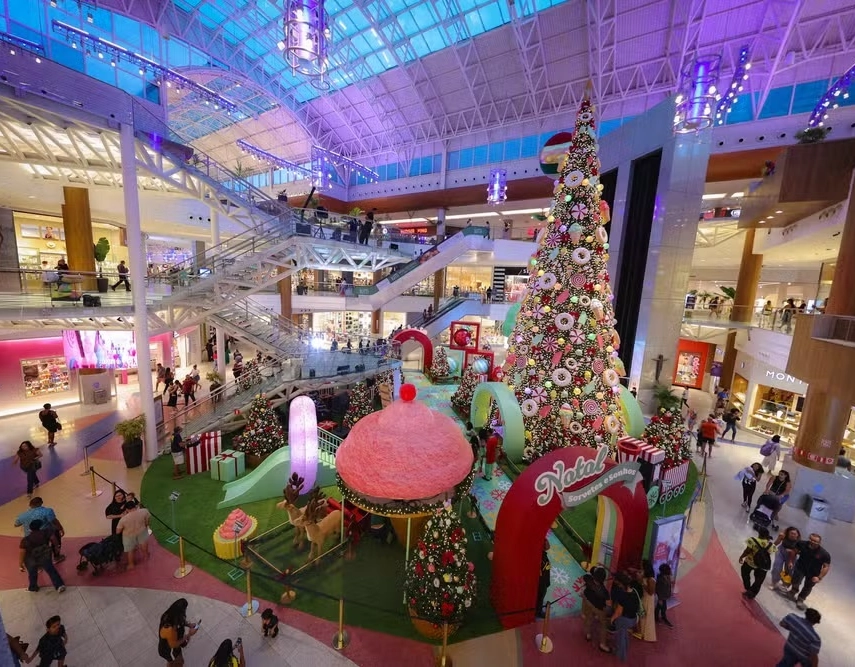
(136, 253)
(215, 229)
(221, 335)
(440, 224)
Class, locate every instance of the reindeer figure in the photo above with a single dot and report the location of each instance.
(320, 525)
(296, 515)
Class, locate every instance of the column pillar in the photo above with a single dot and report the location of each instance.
(77, 223)
(9, 280)
(377, 315)
(825, 414)
(728, 364)
(746, 282)
(136, 254)
(285, 295)
(438, 287)
(440, 225)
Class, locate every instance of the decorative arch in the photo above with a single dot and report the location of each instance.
(420, 337)
(522, 525)
(513, 440)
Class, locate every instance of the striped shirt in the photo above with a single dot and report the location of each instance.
(803, 639)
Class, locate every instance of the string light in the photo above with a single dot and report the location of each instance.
(729, 98)
(24, 45)
(840, 88)
(259, 154)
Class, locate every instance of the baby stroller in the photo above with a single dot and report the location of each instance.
(767, 506)
(100, 554)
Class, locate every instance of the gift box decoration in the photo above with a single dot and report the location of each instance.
(201, 450)
(676, 476)
(629, 449)
(228, 465)
(654, 456)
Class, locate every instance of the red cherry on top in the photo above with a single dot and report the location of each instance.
(408, 392)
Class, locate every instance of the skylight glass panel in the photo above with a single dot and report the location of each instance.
(421, 46)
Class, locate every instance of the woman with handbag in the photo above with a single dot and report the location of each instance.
(785, 556)
(28, 457)
(50, 422)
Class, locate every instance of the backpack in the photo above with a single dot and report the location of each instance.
(762, 557)
(38, 555)
(767, 449)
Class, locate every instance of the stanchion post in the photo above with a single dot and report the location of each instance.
(443, 659)
(542, 641)
(250, 607)
(85, 461)
(341, 638)
(94, 491)
(184, 568)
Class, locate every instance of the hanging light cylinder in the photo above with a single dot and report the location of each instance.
(696, 99)
(305, 38)
(497, 188)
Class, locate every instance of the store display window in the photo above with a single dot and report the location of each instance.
(44, 376)
(776, 412)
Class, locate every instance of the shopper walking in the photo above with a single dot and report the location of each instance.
(756, 559)
(812, 566)
(123, 276)
(50, 422)
(36, 553)
(595, 600)
(27, 457)
(730, 419)
(491, 453)
(188, 388)
(780, 487)
(173, 634)
(543, 581)
(707, 434)
(51, 646)
(664, 591)
(160, 376)
(771, 452)
(647, 624)
(785, 556)
(749, 477)
(625, 608)
(133, 527)
(803, 643)
(51, 525)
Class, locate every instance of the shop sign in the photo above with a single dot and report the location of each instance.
(560, 478)
(783, 377)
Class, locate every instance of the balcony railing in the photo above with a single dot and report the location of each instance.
(775, 319)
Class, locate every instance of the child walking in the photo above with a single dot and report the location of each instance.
(664, 590)
(269, 623)
(52, 644)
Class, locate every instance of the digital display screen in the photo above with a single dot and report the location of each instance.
(99, 349)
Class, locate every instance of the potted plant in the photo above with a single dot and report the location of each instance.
(665, 398)
(131, 431)
(101, 250)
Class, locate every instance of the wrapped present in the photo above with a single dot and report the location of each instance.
(201, 449)
(629, 449)
(655, 457)
(676, 476)
(228, 465)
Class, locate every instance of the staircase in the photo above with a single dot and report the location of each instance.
(413, 272)
(454, 309)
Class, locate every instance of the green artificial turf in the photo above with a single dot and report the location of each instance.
(371, 583)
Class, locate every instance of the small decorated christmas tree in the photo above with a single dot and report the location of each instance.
(387, 377)
(440, 367)
(359, 406)
(440, 581)
(461, 400)
(667, 431)
(263, 432)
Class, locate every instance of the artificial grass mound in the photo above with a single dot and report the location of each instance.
(372, 584)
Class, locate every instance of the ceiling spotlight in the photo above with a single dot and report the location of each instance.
(90, 18)
(53, 3)
(280, 45)
(101, 55)
(11, 52)
(38, 60)
(142, 71)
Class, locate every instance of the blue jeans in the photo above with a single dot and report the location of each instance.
(778, 565)
(48, 567)
(622, 627)
(729, 427)
(790, 659)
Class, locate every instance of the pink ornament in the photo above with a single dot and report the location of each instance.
(544, 411)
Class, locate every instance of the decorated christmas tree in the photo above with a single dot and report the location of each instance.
(461, 400)
(562, 361)
(263, 432)
(359, 406)
(667, 431)
(440, 580)
(440, 367)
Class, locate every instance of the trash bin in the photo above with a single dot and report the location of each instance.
(101, 396)
(817, 508)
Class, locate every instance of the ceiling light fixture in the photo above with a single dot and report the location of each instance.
(305, 39)
(714, 196)
(463, 216)
(19, 43)
(737, 195)
(290, 167)
(839, 87)
(523, 211)
(497, 188)
(696, 98)
(740, 74)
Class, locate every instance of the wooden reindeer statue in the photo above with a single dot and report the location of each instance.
(296, 515)
(320, 524)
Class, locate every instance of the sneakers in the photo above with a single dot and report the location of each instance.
(801, 604)
(667, 622)
(61, 589)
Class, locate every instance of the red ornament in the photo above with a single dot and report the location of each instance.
(408, 392)
(447, 609)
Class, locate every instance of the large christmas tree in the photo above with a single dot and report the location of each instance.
(461, 400)
(440, 368)
(440, 580)
(667, 431)
(562, 361)
(359, 406)
(263, 432)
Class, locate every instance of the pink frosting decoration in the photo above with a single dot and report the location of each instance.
(404, 452)
(227, 529)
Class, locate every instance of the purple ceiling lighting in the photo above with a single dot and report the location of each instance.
(696, 98)
(290, 167)
(497, 188)
(305, 40)
(101, 48)
(324, 162)
(729, 98)
(829, 101)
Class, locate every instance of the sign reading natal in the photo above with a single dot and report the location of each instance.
(560, 478)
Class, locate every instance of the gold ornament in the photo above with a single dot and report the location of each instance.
(561, 341)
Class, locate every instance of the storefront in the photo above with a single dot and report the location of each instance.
(693, 364)
(187, 347)
(470, 278)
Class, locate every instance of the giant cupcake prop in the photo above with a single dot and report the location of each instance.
(404, 462)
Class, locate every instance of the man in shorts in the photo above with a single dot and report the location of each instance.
(177, 448)
(708, 433)
(133, 527)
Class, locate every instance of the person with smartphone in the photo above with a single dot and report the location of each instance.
(225, 655)
(172, 636)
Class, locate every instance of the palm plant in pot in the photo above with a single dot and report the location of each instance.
(666, 399)
(131, 431)
(101, 250)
